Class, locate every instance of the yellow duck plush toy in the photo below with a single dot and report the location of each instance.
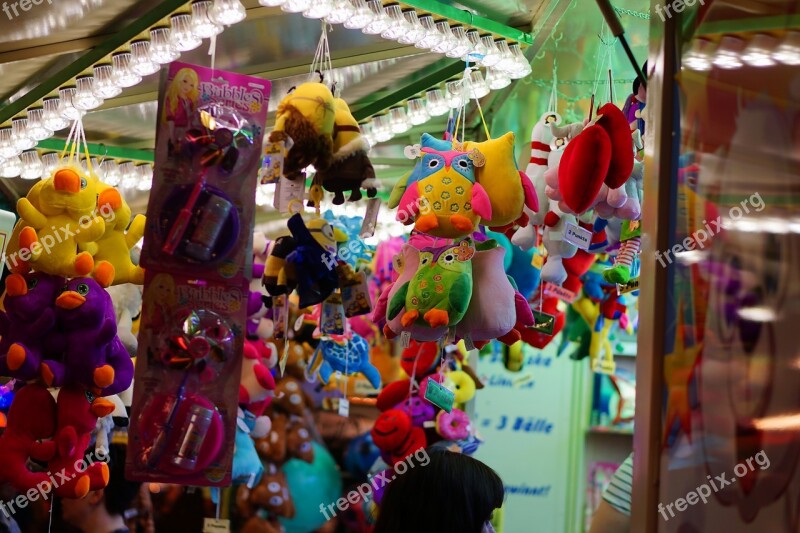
(115, 244)
(56, 215)
(351, 169)
(306, 116)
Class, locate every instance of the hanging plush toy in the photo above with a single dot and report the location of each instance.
(304, 120)
(347, 356)
(93, 354)
(445, 200)
(509, 189)
(31, 420)
(78, 411)
(396, 436)
(67, 199)
(27, 323)
(257, 382)
(127, 300)
(247, 467)
(298, 442)
(121, 234)
(351, 169)
(440, 291)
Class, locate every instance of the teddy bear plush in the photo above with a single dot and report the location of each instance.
(55, 219)
(122, 232)
(31, 420)
(27, 323)
(77, 412)
(93, 354)
(305, 120)
(350, 170)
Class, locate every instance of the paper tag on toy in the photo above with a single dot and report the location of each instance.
(561, 293)
(355, 298)
(331, 319)
(370, 218)
(537, 261)
(451, 336)
(412, 151)
(216, 525)
(439, 395)
(289, 195)
(272, 162)
(468, 344)
(405, 339)
(429, 424)
(577, 235)
(281, 316)
(601, 365)
(543, 323)
(284, 358)
(632, 285)
(344, 407)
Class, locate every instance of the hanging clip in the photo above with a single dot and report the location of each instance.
(478, 159)
(413, 151)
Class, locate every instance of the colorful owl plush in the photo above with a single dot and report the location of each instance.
(440, 291)
(442, 197)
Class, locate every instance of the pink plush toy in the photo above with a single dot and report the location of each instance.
(257, 382)
(93, 354)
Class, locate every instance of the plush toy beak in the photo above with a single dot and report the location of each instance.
(67, 180)
(70, 300)
(102, 407)
(16, 285)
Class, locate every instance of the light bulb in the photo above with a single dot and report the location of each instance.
(382, 128)
(432, 36)
(360, 15)
(141, 61)
(297, 6)
(129, 176)
(492, 57)
(50, 162)
(448, 42)
(19, 132)
(52, 114)
(455, 94)
(479, 49)
(379, 21)
(461, 45)
(415, 30)
(729, 52)
(368, 132)
(417, 112)
(436, 103)
(36, 127)
(162, 51)
(11, 167)
(521, 67)
(699, 56)
(497, 79)
(145, 172)
(8, 148)
(397, 24)
(271, 3)
(477, 85)
(398, 120)
(228, 12)
(506, 63)
(202, 25)
(319, 9)
(123, 73)
(32, 167)
(111, 174)
(340, 11)
(759, 51)
(182, 36)
(104, 86)
(788, 52)
(67, 108)
(85, 97)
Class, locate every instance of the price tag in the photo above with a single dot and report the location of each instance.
(355, 298)
(543, 323)
(280, 306)
(561, 293)
(580, 237)
(216, 525)
(272, 162)
(284, 357)
(537, 261)
(289, 195)
(405, 339)
(344, 407)
(331, 319)
(370, 218)
(632, 285)
(439, 395)
(468, 344)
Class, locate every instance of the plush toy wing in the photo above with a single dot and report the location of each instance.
(409, 205)
(398, 301)
(480, 202)
(458, 291)
(399, 190)
(531, 199)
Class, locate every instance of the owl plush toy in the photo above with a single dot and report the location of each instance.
(440, 291)
(442, 197)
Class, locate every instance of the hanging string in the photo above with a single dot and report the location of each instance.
(85, 148)
(322, 56)
(219, 502)
(50, 523)
(67, 146)
(212, 51)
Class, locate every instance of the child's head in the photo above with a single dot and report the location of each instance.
(185, 85)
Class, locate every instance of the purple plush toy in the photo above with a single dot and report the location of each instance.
(418, 409)
(27, 323)
(93, 354)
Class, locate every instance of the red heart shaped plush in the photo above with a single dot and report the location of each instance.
(583, 168)
(616, 126)
(415, 440)
(391, 429)
(392, 394)
(424, 354)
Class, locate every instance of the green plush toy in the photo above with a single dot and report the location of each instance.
(440, 291)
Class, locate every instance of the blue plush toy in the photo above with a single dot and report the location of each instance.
(347, 356)
(247, 467)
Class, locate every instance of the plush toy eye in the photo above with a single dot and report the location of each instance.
(433, 163)
(327, 230)
(448, 258)
(275, 501)
(463, 163)
(83, 289)
(32, 283)
(89, 396)
(83, 183)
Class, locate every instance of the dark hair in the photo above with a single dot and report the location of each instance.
(454, 492)
(120, 493)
